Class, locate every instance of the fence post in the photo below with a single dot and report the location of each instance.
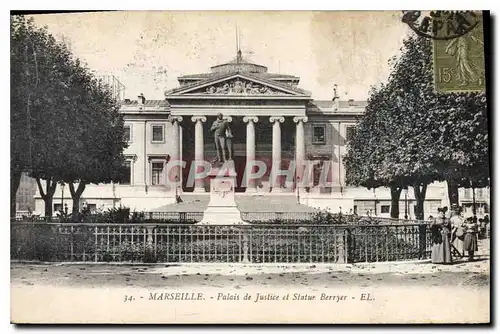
(349, 246)
(245, 244)
(32, 242)
(422, 240)
(149, 243)
(341, 246)
(96, 246)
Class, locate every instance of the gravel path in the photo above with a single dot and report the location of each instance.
(233, 275)
(362, 293)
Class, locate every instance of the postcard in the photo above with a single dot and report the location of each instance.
(246, 167)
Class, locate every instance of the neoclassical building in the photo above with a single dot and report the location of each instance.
(272, 120)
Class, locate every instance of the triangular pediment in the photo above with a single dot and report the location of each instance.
(237, 85)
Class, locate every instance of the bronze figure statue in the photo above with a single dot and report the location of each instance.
(223, 139)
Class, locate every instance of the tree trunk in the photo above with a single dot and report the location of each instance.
(419, 191)
(474, 201)
(452, 192)
(15, 180)
(48, 195)
(395, 195)
(48, 206)
(75, 195)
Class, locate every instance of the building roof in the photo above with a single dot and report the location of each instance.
(273, 76)
(326, 107)
(147, 103)
(237, 65)
(221, 76)
(342, 104)
(240, 64)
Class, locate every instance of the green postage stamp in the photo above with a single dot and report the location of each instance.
(459, 64)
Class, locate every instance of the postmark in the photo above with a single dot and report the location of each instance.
(441, 24)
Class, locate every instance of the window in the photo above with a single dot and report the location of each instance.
(467, 193)
(157, 133)
(127, 173)
(355, 209)
(479, 192)
(319, 134)
(57, 207)
(92, 207)
(385, 208)
(157, 173)
(350, 132)
(127, 133)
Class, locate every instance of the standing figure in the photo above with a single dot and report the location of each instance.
(467, 70)
(470, 239)
(441, 231)
(457, 231)
(223, 139)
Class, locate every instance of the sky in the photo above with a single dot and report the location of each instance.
(148, 50)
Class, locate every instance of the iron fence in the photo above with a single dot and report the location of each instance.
(33, 218)
(259, 243)
(174, 216)
(151, 217)
(262, 216)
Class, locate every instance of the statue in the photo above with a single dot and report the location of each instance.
(238, 87)
(223, 139)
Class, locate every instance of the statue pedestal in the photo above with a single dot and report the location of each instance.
(222, 209)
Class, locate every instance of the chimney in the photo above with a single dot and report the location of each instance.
(141, 99)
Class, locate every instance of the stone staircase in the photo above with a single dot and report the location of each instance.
(245, 203)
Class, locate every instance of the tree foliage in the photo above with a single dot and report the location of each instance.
(65, 125)
(411, 135)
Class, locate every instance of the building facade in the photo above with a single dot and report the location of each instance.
(273, 121)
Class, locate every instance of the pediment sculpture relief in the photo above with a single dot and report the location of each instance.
(243, 87)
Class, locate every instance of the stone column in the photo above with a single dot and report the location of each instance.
(176, 150)
(336, 165)
(228, 119)
(342, 154)
(199, 156)
(300, 147)
(276, 120)
(251, 187)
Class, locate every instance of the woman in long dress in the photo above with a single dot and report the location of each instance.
(457, 223)
(441, 231)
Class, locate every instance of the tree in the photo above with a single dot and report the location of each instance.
(368, 149)
(39, 67)
(403, 154)
(463, 132)
(65, 124)
(96, 155)
(421, 136)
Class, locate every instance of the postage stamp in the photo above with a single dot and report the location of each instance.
(459, 64)
(458, 47)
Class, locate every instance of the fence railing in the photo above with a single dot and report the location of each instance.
(258, 216)
(174, 216)
(259, 243)
(263, 216)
